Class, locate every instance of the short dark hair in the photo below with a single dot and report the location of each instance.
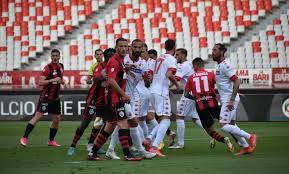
(222, 47)
(183, 51)
(198, 61)
(170, 44)
(121, 39)
(136, 40)
(108, 53)
(55, 51)
(97, 51)
(153, 51)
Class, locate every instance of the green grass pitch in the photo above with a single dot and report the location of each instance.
(271, 156)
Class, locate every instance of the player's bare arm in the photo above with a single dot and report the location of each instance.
(125, 98)
(172, 78)
(236, 84)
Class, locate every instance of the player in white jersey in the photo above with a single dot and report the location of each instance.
(136, 69)
(164, 70)
(228, 87)
(185, 106)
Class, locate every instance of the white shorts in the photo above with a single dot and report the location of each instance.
(187, 108)
(140, 105)
(227, 116)
(161, 104)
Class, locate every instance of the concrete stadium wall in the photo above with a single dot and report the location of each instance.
(255, 105)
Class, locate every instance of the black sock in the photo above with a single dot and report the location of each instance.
(52, 134)
(93, 135)
(168, 132)
(123, 139)
(28, 130)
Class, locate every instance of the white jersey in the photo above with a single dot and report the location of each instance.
(184, 71)
(160, 83)
(141, 85)
(134, 75)
(224, 74)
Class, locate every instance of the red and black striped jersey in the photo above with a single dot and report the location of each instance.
(202, 85)
(52, 90)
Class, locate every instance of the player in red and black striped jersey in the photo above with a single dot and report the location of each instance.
(94, 102)
(50, 80)
(201, 84)
(115, 99)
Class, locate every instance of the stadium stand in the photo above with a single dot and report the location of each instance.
(267, 49)
(31, 25)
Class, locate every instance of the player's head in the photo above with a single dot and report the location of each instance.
(198, 63)
(170, 46)
(219, 51)
(144, 51)
(181, 55)
(108, 53)
(136, 48)
(98, 54)
(55, 55)
(121, 46)
(153, 54)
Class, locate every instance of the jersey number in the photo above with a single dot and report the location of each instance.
(198, 81)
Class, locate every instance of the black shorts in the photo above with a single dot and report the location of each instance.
(207, 116)
(92, 110)
(50, 106)
(114, 113)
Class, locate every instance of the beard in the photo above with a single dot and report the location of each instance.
(136, 54)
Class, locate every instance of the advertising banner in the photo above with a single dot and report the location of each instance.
(260, 78)
(280, 77)
(29, 79)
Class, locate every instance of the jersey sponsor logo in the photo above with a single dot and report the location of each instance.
(112, 70)
(285, 107)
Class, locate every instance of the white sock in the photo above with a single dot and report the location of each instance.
(242, 140)
(246, 134)
(114, 139)
(144, 127)
(141, 134)
(135, 136)
(181, 131)
(153, 133)
(199, 123)
(233, 129)
(152, 124)
(163, 127)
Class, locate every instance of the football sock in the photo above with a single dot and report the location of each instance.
(242, 140)
(52, 133)
(100, 140)
(28, 130)
(199, 123)
(163, 126)
(181, 131)
(141, 134)
(93, 135)
(144, 127)
(153, 133)
(123, 139)
(235, 130)
(135, 136)
(216, 136)
(152, 124)
(114, 139)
